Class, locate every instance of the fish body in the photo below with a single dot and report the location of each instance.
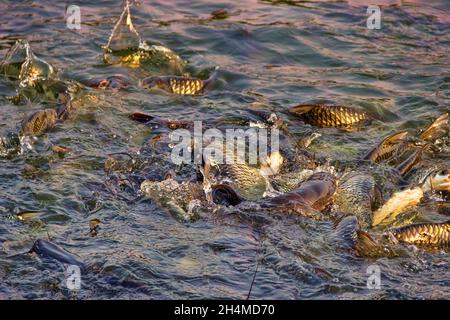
(358, 194)
(50, 250)
(424, 233)
(330, 116)
(180, 85)
(39, 122)
(309, 199)
(115, 82)
(437, 129)
(387, 147)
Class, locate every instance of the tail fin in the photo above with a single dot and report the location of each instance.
(212, 78)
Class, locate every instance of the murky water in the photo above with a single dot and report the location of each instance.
(273, 53)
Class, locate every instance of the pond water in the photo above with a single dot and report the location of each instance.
(271, 53)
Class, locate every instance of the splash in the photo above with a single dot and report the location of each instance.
(20, 63)
(125, 46)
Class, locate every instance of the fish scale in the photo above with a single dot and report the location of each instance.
(330, 116)
(424, 233)
(357, 194)
(186, 86)
(39, 122)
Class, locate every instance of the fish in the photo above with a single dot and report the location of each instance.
(225, 195)
(157, 122)
(412, 160)
(424, 233)
(115, 82)
(438, 180)
(387, 147)
(398, 203)
(180, 85)
(50, 250)
(309, 199)
(330, 116)
(358, 193)
(347, 235)
(39, 122)
(436, 130)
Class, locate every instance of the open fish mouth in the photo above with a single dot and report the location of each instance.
(441, 181)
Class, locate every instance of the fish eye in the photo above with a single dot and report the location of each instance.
(103, 83)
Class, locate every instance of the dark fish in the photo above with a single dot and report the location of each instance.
(308, 199)
(225, 195)
(436, 130)
(155, 122)
(39, 122)
(180, 85)
(387, 147)
(50, 250)
(329, 116)
(424, 233)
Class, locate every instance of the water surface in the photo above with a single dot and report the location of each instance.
(271, 53)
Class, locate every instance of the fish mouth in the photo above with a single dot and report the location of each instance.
(441, 181)
(148, 83)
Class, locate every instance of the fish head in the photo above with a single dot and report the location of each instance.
(441, 180)
(154, 82)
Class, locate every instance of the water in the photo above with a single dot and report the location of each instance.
(272, 53)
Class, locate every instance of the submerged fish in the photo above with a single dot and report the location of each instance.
(329, 116)
(50, 250)
(156, 122)
(180, 199)
(39, 122)
(180, 85)
(424, 233)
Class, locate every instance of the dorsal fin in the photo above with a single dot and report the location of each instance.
(301, 108)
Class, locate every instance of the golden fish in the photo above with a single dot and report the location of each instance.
(39, 122)
(329, 116)
(436, 130)
(180, 85)
(424, 233)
